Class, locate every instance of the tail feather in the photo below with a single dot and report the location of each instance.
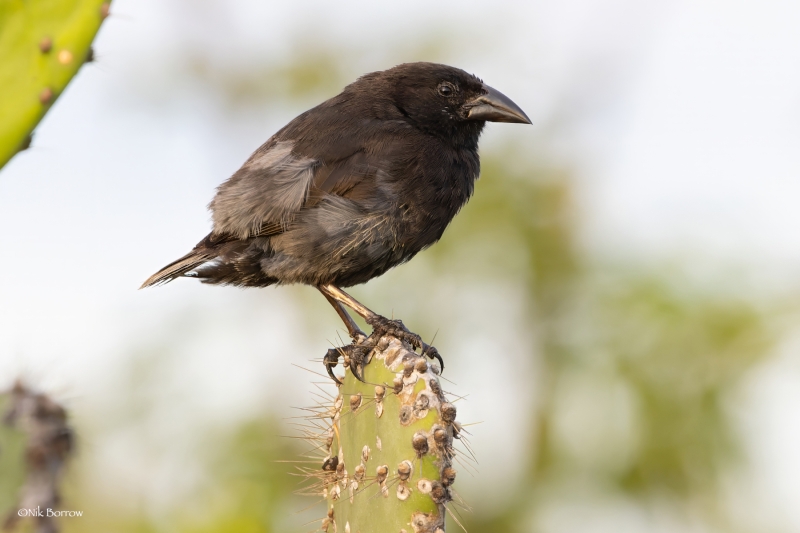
(245, 273)
(179, 268)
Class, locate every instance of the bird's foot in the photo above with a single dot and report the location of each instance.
(384, 326)
(358, 336)
(355, 356)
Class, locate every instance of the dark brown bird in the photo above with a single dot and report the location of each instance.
(351, 188)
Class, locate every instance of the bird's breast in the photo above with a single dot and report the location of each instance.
(426, 204)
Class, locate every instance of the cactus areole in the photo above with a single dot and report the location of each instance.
(389, 448)
(42, 45)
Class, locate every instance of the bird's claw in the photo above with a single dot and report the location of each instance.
(359, 357)
(433, 353)
(356, 353)
(330, 360)
(358, 372)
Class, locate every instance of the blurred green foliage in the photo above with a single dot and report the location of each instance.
(250, 483)
(306, 73)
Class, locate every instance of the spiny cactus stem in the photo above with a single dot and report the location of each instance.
(389, 448)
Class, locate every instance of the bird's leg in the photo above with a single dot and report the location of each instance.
(352, 328)
(355, 352)
(337, 295)
(380, 324)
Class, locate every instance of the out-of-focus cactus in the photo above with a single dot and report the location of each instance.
(49, 442)
(389, 447)
(42, 46)
(12, 453)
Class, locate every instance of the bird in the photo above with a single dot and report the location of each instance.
(350, 189)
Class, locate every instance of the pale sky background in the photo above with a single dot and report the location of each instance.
(684, 122)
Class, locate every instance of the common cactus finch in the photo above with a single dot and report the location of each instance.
(351, 188)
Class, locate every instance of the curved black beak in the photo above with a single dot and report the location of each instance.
(494, 106)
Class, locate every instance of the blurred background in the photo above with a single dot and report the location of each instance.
(618, 303)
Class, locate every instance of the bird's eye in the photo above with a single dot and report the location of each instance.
(446, 89)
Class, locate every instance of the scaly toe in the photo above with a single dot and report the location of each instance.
(384, 326)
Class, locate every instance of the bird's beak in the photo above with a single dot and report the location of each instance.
(494, 106)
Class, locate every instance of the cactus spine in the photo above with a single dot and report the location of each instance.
(390, 447)
(43, 45)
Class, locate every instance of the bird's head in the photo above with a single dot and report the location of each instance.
(444, 100)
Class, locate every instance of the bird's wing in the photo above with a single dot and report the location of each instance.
(275, 183)
(268, 190)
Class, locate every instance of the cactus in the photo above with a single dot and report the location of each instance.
(389, 446)
(49, 442)
(12, 451)
(43, 45)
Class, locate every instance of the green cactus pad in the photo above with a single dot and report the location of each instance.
(42, 45)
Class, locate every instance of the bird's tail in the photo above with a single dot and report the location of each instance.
(176, 269)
